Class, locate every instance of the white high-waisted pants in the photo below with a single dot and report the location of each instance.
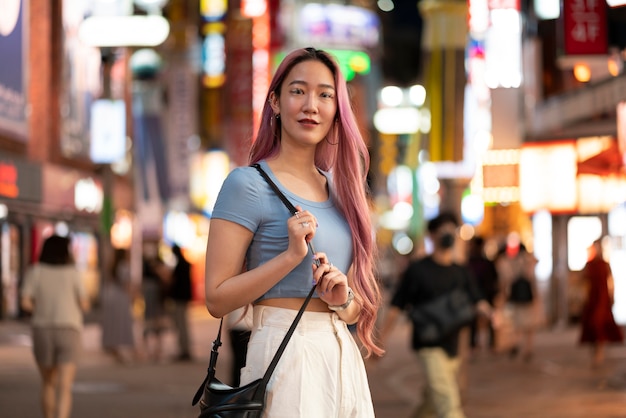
(321, 374)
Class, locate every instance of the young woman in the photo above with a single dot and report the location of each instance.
(54, 293)
(310, 146)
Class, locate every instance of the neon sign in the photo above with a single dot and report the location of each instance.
(8, 180)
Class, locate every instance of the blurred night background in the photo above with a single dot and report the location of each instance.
(119, 120)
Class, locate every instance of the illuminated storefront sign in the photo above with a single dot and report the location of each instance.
(253, 8)
(71, 190)
(500, 176)
(584, 27)
(548, 177)
(88, 195)
(208, 172)
(19, 179)
(336, 25)
(572, 176)
(213, 13)
(108, 131)
(350, 62)
(503, 45)
(8, 181)
(213, 59)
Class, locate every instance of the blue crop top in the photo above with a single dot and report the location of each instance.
(247, 199)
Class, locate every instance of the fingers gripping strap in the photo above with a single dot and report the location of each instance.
(282, 197)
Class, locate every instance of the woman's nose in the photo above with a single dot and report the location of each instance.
(310, 104)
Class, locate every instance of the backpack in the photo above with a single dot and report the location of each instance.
(521, 290)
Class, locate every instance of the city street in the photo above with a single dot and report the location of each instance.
(556, 383)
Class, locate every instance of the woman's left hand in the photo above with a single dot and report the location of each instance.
(332, 284)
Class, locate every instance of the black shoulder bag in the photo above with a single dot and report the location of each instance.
(435, 319)
(219, 400)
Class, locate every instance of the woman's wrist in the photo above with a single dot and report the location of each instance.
(344, 306)
(351, 314)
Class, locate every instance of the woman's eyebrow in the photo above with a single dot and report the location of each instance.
(323, 85)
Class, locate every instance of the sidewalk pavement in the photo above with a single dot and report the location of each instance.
(556, 383)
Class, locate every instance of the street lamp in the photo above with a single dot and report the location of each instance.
(399, 121)
(124, 31)
(109, 32)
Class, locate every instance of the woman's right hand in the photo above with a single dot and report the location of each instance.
(301, 227)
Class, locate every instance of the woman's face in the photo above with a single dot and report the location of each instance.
(307, 104)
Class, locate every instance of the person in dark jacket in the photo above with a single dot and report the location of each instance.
(180, 293)
(486, 275)
(424, 280)
(154, 284)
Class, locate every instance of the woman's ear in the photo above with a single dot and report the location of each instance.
(273, 101)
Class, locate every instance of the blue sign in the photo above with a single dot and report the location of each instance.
(13, 50)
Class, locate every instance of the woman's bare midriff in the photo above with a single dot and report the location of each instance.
(315, 305)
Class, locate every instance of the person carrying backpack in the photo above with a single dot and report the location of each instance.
(517, 273)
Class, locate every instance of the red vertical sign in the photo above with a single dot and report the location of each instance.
(585, 27)
(239, 89)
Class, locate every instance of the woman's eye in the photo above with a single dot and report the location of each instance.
(327, 95)
(296, 91)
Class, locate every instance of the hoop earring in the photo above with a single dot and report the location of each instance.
(331, 143)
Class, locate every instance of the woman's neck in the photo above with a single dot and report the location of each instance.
(296, 165)
(301, 177)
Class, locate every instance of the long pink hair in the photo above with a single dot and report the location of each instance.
(345, 155)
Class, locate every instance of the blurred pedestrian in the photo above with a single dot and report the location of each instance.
(424, 280)
(486, 276)
(309, 144)
(54, 292)
(155, 280)
(598, 327)
(180, 293)
(516, 269)
(239, 323)
(117, 322)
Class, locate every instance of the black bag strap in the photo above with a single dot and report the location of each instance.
(212, 363)
(282, 197)
(292, 328)
(274, 187)
(283, 345)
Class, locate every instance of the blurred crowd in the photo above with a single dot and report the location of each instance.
(510, 307)
(136, 315)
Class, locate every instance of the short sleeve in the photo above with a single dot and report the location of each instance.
(402, 295)
(238, 200)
